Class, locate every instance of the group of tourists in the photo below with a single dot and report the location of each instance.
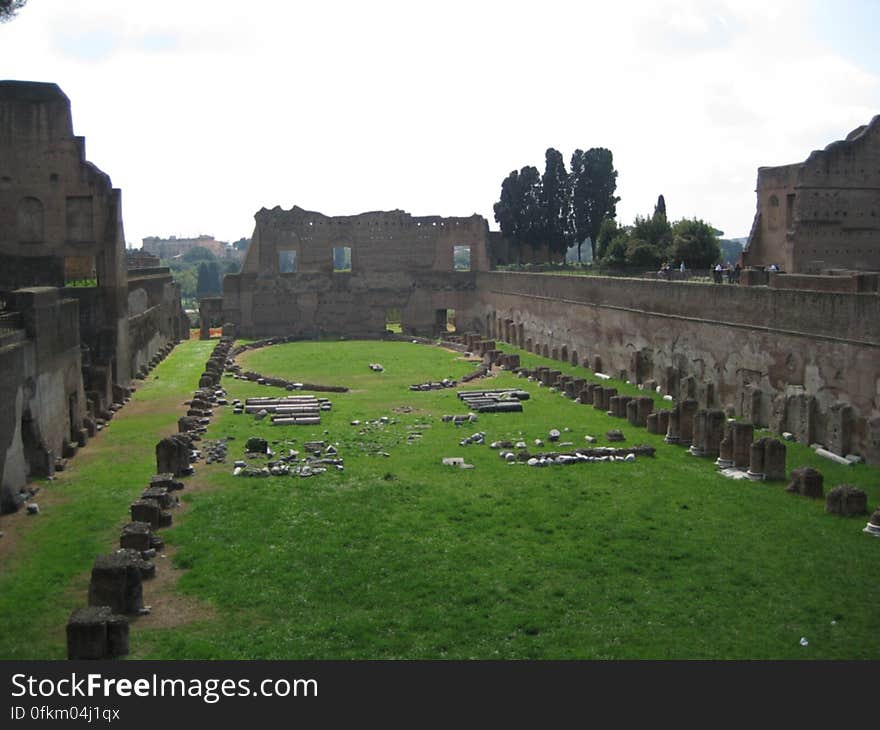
(731, 272)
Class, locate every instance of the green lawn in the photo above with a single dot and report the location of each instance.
(400, 557)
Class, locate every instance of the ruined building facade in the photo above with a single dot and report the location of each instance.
(69, 340)
(308, 274)
(823, 213)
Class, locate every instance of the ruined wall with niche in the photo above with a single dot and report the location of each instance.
(823, 213)
(41, 386)
(156, 317)
(60, 216)
(397, 262)
(807, 362)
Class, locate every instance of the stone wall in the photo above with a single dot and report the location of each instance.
(41, 386)
(398, 262)
(801, 361)
(822, 213)
(156, 316)
(60, 216)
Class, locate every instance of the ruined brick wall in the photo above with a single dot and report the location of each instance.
(822, 213)
(156, 316)
(41, 386)
(59, 214)
(789, 359)
(397, 262)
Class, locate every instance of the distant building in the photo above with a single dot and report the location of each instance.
(167, 248)
(823, 213)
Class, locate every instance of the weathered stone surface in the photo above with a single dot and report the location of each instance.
(846, 500)
(146, 510)
(173, 456)
(742, 443)
(96, 632)
(686, 421)
(673, 434)
(806, 481)
(774, 460)
(116, 582)
(136, 536)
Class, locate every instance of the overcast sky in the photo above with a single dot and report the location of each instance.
(204, 111)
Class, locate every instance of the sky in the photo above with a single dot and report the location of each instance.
(205, 111)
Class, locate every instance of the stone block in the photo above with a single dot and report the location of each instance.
(673, 434)
(774, 460)
(96, 633)
(807, 482)
(173, 456)
(116, 582)
(686, 421)
(743, 433)
(136, 536)
(846, 500)
(146, 510)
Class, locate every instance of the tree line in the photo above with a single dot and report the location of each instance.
(558, 209)
(652, 241)
(561, 209)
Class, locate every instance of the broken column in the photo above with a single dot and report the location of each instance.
(756, 459)
(116, 582)
(686, 421)
(672, 430)
(96, 633)
(172, 456)
(846, 500)
(742, 443)
(725, 447)
(774, 460)
(807, 482)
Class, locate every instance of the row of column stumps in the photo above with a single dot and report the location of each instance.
(101, 629)
(795, 412)
(706, 432)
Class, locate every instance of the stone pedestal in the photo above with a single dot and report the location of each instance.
(698, 445)
(136, 536)
(807, 482)
(756, 460)
(96, 633)
(725, 447)
(651, 423)
(873, 526)
(742, 444)
(618, 408)
(686, 421)
(774, 460)
(673, 435)
(116, 582)
(172, 456)
(846, 500)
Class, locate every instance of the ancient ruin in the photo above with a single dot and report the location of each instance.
(308, 274)
(75, 324)
(821, 214)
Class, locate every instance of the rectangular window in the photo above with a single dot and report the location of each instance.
(80, 271)
(342, 259)
(461, 258)
(287, 262)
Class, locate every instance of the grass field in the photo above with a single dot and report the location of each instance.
(400, 557)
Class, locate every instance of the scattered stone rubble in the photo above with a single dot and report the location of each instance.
(318, 457)
(290, 410)
(494, 401)
(434, 385)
